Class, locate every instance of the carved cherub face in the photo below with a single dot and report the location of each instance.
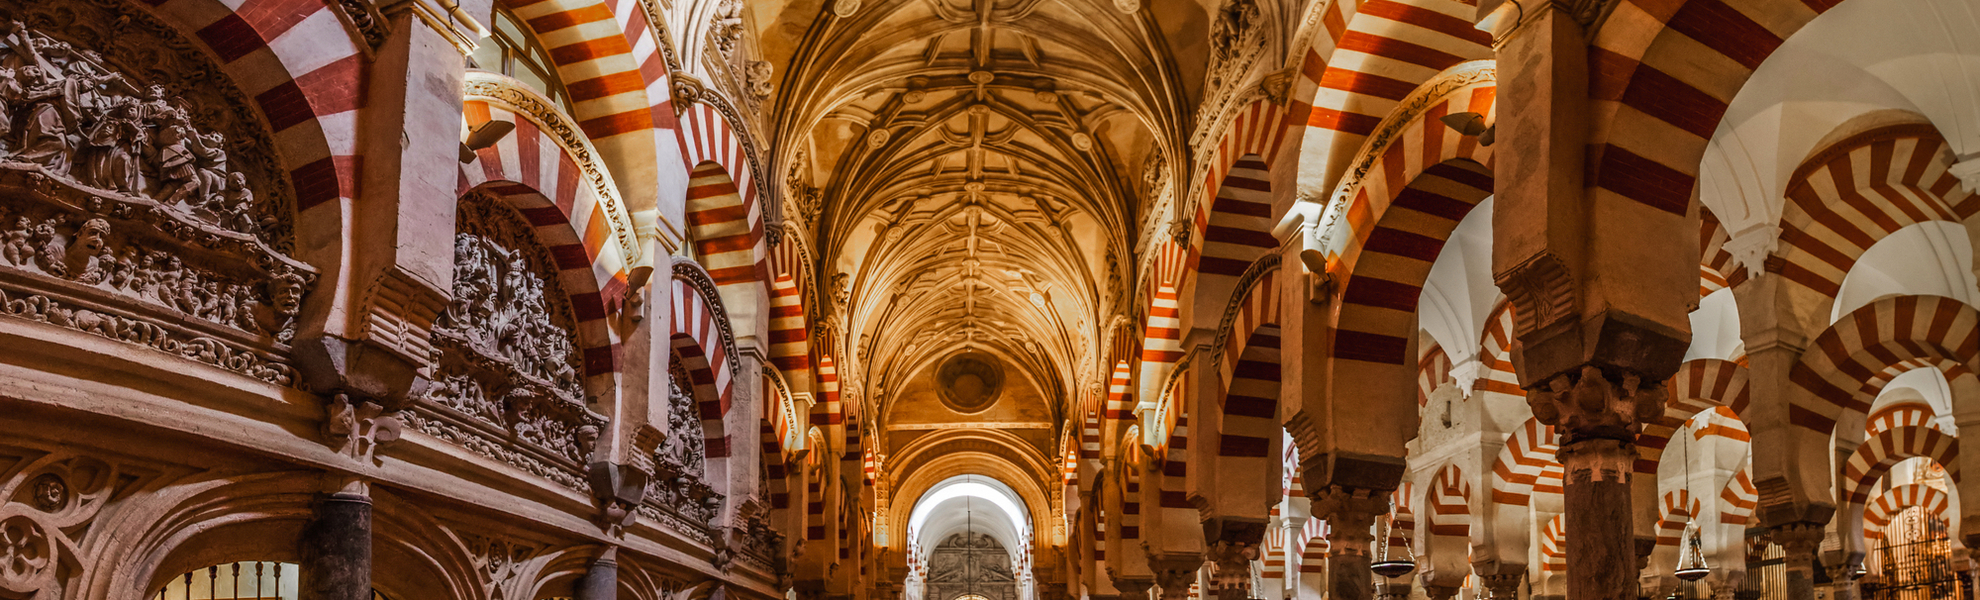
(33, 73)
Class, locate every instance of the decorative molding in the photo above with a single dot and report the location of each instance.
(481, 444)
(518, 98)
(685, 269)
(1246, 284)
(1412, 107)
(366, 24)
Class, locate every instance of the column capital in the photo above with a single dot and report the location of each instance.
(1594, 402)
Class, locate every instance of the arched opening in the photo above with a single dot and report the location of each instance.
(513, 49)
(970, 535)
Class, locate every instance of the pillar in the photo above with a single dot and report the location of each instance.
(1799, 540)
(1601, 548)
(1350, 513)
(601, 577)
(336, 546)
(1439, 592)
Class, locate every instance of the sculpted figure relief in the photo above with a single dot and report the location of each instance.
(507, 383)
(63, 109)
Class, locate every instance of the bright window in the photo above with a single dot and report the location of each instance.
(513, 50)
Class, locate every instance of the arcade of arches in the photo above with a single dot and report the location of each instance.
(988, 299)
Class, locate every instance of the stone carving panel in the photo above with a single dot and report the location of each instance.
(47, 511)
(508, 384)
(679, 484)
(140, 199)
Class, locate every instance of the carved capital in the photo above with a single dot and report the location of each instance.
(1596, 403)
(1174, 573)
(1437, 592)
(358, 429)
(1505, 584)
(1799, 540)
(1353, 512)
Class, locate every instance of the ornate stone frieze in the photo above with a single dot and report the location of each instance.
(508, 383)
(679, 486)
(101, 96)
(481, 443)
(140, 199)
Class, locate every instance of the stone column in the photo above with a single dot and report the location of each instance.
(1233, 562)
(601, 577)
(1598, 412)
(1351, 514)
(1400, 591)
(1800, 540)
(1440, 592)
(1843, 575)
(336, 546)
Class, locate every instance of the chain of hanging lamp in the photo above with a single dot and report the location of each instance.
(1696, 553)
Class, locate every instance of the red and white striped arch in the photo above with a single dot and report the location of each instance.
(707, 354)
(1499, 384)
(1738, 499)
(1250, 365)
(609, 59)
(1700, 385)
(1716, 270)
(1878, 515)
(1854, 193)
(1449, 497)
(1553, 545)
(1664, 74)
(1370, 56)
(790, 334)
(1237, 229)
(1395, 222)
(1402, 516)
(1161, 344)
(1675, 512)
(1433, 370)
(1526, 465)
(305, 72)
(545, 181)
(724, 213)
(1846, 366)
(1902, 414)
(1886, 449)
(1119, 397)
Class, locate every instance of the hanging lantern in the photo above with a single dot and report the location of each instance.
(1390, 566)
(1697, 570)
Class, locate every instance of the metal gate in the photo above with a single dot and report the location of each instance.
(1915, 562)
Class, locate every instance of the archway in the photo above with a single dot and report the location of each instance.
(970, 535)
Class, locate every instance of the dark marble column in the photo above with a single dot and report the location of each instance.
(336, 549)
(1601, 553)
(1800, 540)
(601, 577)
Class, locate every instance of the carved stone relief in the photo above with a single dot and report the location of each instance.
(508, 383)
(133, 203)
(46, 514)
(679, 486)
